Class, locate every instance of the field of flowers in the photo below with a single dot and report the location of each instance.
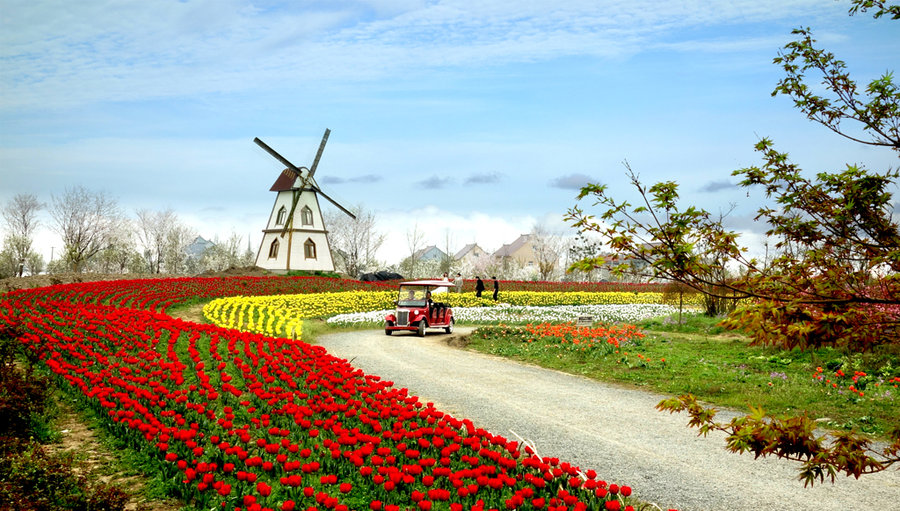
(283, 315)
(244, 421)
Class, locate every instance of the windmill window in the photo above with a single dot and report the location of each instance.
(273, 249)
(306, 216)
(282, 213)
(309, 249)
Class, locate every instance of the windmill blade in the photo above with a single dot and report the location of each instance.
(342, 208)
(312, 169)
(280, 158)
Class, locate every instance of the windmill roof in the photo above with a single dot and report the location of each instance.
(284, 182)
(287, 179)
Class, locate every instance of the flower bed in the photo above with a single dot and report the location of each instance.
(283, 315)
(244, 421)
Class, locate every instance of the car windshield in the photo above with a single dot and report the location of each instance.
(411, 296)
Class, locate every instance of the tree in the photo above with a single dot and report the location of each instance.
(836, 277)
(34, 263)
(118, 250)
(415, 239)
(226, 254)
(581, 248)
(178, 237)
(547, 246)
(153, 232)
(355, 242)
(85, 220)
(447, 260)
(20, 216)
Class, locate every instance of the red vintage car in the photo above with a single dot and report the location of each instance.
(419, 308)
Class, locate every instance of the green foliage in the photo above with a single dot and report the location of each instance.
(31, 479)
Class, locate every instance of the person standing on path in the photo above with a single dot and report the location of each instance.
(458, 282)
(496, 288)
(479, 286)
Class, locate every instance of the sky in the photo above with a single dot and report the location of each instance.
(470, 121)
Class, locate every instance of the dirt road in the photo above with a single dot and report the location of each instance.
(613, 430)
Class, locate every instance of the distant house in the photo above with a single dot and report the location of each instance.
(520, 251)
(429, 253)
(197, 247)
(471, 254)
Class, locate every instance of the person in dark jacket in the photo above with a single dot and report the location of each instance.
(479, 286)
(496, 288)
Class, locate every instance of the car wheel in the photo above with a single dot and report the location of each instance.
(449, 327)
(387, 331)
(421, 330)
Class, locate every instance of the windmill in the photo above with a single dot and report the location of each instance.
(296, 188)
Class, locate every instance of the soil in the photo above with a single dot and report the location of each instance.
(97, 459)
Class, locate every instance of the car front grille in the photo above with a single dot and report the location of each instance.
(402, 318)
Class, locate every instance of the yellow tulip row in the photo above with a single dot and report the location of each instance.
(283, 315)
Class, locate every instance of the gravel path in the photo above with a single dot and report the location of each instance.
(614, 430)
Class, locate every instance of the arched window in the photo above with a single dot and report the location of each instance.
(306, 216)
(279, 219)
(273, 249)
(309, 249)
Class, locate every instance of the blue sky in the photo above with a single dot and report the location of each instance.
(473, 122)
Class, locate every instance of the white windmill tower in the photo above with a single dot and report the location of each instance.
(295, 236)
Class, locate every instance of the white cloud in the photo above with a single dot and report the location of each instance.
(95, 51)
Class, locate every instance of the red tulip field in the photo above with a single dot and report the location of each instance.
(241, 421)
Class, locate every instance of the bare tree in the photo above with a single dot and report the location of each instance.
(414, 240)
(225, 254)
(582, 247)
(84, 219)
(153, 232)
(118, 250)
(447, 259)
(34, 263)
(354, 241)
(175, 254)
(547, 246)
(20, 215)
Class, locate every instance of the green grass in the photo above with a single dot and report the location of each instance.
(726, 371)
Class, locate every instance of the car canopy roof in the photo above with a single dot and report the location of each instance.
(432, 283)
